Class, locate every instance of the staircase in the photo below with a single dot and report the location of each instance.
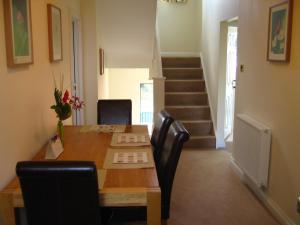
(186, 99)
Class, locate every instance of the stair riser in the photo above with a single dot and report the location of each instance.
(185, 92)
(183, 73)
(198, 129)
(181, 62)
(189, 114)
(184, 86)
(186, 99)
(201, 143)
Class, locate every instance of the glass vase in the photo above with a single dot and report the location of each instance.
(60, 131)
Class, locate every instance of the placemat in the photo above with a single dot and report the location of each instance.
(110, 154)
(130, 140)
(103, 128)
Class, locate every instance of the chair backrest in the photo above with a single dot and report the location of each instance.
(166, 168)
(60, 192)
(161, 127)
(114, 111)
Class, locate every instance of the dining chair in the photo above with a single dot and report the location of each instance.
(176, 136)
(161, 127)
(60, 192)
(114, 111)
(166, 169)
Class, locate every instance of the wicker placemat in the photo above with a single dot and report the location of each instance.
(103, 128)
(108, 162)
(142, 139)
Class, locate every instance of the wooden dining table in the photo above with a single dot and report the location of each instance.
(119, 187)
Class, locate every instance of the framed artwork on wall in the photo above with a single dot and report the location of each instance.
(101, 61)
(280, 29)
(18, 34)
(54, 33)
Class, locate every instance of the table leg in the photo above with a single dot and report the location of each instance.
(153, 207)
(7, 213)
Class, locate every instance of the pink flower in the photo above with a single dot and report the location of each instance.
(76, 103)
(66, 97)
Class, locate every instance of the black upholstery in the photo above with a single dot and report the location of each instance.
(60, 192)
(177, 135)
(166, 168)
(159, 133)
(114, 111)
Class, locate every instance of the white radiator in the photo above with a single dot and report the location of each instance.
(251, 149)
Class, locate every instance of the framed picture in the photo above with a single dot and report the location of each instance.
(101, 61)
(54, 33)
(18, 35)
(280, 28)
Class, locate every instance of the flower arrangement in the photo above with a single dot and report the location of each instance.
(63, 107)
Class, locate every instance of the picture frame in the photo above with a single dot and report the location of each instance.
(279, 32)
(101, 61)
(54, 33)
(18, 32)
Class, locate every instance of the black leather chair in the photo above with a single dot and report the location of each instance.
(114, 111)
(161, 127)
(177, 135)
(60, 192)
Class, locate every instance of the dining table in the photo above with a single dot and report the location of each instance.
(118, 187)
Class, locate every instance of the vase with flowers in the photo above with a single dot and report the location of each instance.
(63, 108)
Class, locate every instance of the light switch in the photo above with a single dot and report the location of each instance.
(242, 68)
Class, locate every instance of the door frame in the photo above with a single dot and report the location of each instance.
(77, 67)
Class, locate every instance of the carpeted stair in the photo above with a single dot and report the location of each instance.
(186, 99)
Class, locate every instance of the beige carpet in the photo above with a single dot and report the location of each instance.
(206, 191)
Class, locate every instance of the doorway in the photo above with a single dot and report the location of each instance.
(227, 76)
(231, 66)
(77, 87)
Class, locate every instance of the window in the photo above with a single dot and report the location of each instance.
(146, 106)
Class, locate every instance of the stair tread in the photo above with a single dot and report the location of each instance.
(186, 92)
(196, 121)
(182, 68)
(202, 137)
(184, 80)
(182, 106)
(186, 106)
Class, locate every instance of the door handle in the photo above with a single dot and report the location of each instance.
(233, 84)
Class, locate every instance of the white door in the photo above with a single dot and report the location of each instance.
(77, 88)
(230, 79)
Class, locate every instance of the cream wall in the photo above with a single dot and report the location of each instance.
(90, 59)
(127, 31)
(125, 84)
(270, 93)
(26, 93)
(179, 27)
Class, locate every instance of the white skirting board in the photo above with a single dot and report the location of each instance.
(272, 206)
